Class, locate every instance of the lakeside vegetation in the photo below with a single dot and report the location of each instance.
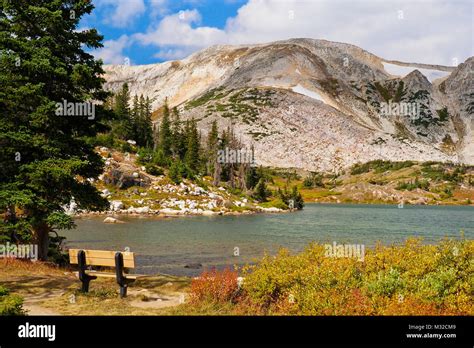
(383, 182)
(408, 279)
(411, 279)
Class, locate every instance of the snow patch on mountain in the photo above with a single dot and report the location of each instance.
(312, 94)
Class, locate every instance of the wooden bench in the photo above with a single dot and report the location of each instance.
(121, 261)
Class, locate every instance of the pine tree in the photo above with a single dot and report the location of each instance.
(223, 168)
(298, 202)
(261, 192)
(178, 146)
(142, 121)
(124, 127)
(135, 116)
(121, 103)
(251, 177)
(44, 158)
(192, 158)
(175, 171)
(147, 124)
(212, 148)
(165, 133)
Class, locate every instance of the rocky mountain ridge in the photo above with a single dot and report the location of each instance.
(316, 104)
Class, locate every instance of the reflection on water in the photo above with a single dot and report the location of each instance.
(167, 245)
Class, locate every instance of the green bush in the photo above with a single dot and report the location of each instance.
(106, 140)
(10, 304)
(145, 156)
(126, 147)
(261, 192)
(294, 195)
(386, 283)
(413, 184)
(175, 172)
(314, 179)
(380, 166)
(153, 169)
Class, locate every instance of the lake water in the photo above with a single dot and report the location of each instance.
(167, 245)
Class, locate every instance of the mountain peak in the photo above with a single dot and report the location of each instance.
(312, 104)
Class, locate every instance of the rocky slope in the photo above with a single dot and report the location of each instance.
(132, 191)
(315, 104)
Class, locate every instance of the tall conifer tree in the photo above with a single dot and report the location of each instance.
(45, 160)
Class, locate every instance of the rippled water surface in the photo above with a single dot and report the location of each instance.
(167, 245)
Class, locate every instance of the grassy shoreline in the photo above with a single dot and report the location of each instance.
(408, 279)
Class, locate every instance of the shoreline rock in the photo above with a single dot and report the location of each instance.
(111, 220)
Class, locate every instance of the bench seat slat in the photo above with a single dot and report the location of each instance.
(110, 274)
(102, 258)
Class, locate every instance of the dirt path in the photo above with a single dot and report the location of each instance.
(48, 290)
(154, 300)
(33, 309)
(32, 303)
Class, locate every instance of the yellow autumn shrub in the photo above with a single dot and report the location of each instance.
(408, 279)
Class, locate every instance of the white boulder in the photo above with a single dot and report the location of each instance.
(116, 205)
(209, 213)
(111, 220)
(142, 210)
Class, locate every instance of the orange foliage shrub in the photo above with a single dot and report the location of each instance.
(215, 286)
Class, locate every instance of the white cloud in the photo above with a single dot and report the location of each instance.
(430, 31)
(122, 12)
(111, 53)
(173, 53)
(159, 7)
(177, 30)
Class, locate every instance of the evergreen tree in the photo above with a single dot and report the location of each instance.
(45, 160)
(142, 121)
(134, 116)
(147, 125)
(123, 128)
(298, 202)
(223, 169)
(121, 103)
(261, 192)
(165, 133)
(192, 158)
(175, 171)
(292, 199)
(212, 148)
(178, 145)
(252, 177)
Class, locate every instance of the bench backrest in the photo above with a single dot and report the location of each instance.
(102, 258)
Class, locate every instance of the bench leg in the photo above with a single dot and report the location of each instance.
(85, 285)
(123, 291)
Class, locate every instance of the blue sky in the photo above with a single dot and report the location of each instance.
(151, 31)
(112, 22)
